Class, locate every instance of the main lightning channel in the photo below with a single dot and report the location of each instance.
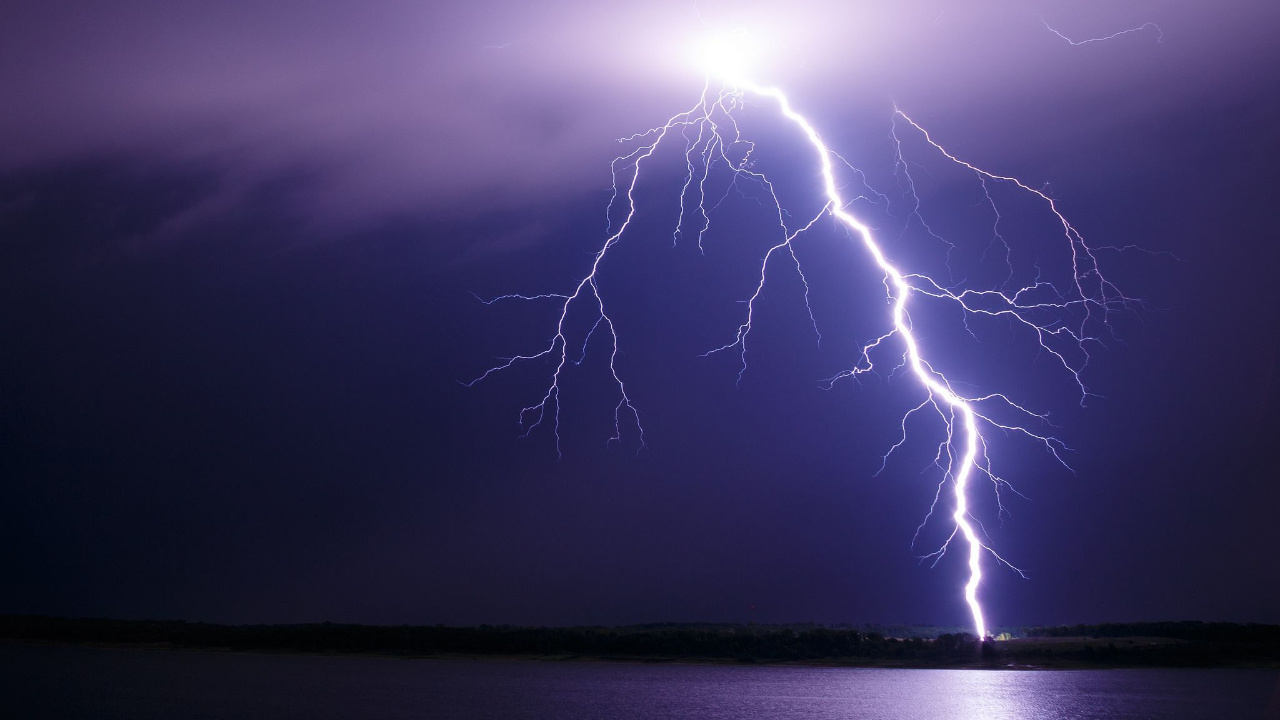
(935, 383)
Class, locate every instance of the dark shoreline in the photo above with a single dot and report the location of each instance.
(1136, 645)
(848, 663)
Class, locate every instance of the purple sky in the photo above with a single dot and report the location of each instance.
(239, 243)
(410, 107)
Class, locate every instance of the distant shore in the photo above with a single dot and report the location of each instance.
(1131, 645)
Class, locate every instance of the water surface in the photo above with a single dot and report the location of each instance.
(59, 682)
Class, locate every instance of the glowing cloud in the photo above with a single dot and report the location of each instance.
(727, 57)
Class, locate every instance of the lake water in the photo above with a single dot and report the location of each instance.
(76, 682)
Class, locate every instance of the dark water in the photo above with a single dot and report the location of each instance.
(74, 682)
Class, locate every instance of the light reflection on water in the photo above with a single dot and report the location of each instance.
(74, 682)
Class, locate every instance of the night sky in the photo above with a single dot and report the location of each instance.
(239, 243)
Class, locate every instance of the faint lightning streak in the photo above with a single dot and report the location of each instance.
(1112, 36)
(745, 328)
(559, 343)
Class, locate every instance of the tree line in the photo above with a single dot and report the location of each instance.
(1109, 645)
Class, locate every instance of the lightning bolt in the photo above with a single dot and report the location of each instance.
(1066, 321)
